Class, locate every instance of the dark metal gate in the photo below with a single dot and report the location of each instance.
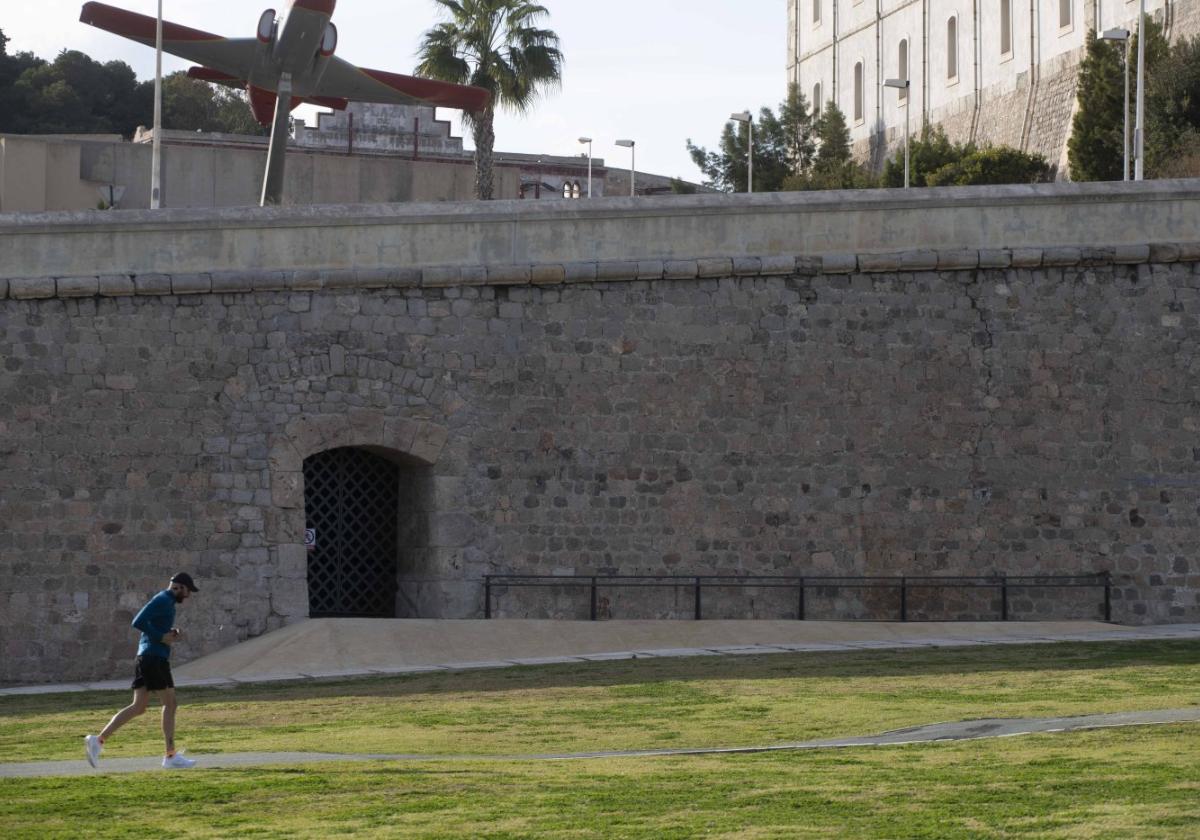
(351, 504)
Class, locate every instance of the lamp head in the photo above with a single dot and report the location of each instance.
(902, 84)
(628, 144)
(1115, 35)
(585, 139)
(741, 116)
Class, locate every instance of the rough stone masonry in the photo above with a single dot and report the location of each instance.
(1028, 410)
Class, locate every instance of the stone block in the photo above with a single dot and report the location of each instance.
(287, 489)
(441, 276)
(650, 270)
(778, 266)
(72, 287)
(995, 258)
(429, 442)
(31, 289)
(404, 278)
(1164, 252)
(289, 597)
(116, 285)
(474, 275)
(839, 263)
(3, 288)
(1026, 258)
(680, 270)
(1096, 256)
(810, 266)
(374, 278)
(1130, 254)
(579, 272)
(547, 274)
(1061, 256)
(957, 260)
(400, 432)
(714, 268)
(341, 278)
(875, 263)
(508, 275)
(307, 280)
(152, 284)
(1189, 251)
(747, 266)
(617, 270)
(918, 260)
(231, 282)
(191, 284)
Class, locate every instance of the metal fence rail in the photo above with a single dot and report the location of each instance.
(902, 584)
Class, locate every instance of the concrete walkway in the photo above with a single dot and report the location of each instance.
(957, 731)
(333, 648)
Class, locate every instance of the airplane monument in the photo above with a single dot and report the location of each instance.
(290, 61)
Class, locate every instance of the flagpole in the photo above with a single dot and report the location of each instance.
(156, 154)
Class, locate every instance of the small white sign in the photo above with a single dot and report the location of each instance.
(310, 538)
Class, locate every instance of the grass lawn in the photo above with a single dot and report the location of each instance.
(1137, 782)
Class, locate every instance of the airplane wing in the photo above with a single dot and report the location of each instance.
(232, 56)
(342, 80)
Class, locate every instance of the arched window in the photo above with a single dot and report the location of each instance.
(1006, 27)
(566, 189)
(816, 11)
(1064, 13)
(576, 191)
(902, 67)
(816, 100)
(952, 49)
(858, 92)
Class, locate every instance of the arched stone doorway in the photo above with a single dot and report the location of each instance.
(351, 511)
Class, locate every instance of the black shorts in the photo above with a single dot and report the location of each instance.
(152, 673)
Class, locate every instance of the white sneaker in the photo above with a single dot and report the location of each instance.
(92, 749)
(178, 762)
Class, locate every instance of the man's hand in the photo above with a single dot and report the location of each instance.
(171, 637)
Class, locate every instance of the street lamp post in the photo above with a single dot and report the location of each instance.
(1139, 140)
(156, 145)
(631, 145)
(902, 84)
(588, 140)
(747, 118)
(1122, 35)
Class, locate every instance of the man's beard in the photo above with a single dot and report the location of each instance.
(179, 598)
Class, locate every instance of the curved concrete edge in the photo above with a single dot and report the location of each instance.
(314, 650)
(939, 732)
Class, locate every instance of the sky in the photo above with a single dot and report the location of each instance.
(658, 72)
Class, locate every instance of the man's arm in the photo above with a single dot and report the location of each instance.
(154, 621)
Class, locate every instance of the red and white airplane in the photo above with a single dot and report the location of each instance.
(289, 62)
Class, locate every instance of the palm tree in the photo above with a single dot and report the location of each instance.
(496, 45)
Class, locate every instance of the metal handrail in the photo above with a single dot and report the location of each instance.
(801, 583)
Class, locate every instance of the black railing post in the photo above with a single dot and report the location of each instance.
(1107, 596)
(593, 597)
(697, 598)
(487, 596)
(1004, 597)
(800, 612)
(904, 599)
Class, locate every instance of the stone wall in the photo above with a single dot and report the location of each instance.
(923, 412)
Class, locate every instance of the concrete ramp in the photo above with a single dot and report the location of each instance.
(344, 647)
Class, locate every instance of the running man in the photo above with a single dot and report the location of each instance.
(152, 671)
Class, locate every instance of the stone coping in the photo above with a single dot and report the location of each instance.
(130, 285)
(450, 241)
(914, 200)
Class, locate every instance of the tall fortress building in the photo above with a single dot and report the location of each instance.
(991, 71)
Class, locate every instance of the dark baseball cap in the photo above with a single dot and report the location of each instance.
(186, 580)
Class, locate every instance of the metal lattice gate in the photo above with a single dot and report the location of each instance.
(351, 504)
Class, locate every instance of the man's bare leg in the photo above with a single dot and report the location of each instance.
(134, 709)
(170, 704)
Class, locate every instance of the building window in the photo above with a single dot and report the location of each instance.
(816, 11)
(902, 68)
(566, 189)
(952, 49)
(1064, 14)
(1006, 27)
(858, 92)
(816, 101)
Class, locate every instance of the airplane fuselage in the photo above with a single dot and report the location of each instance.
(300, 44)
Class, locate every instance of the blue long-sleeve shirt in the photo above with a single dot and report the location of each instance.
(155, 620)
